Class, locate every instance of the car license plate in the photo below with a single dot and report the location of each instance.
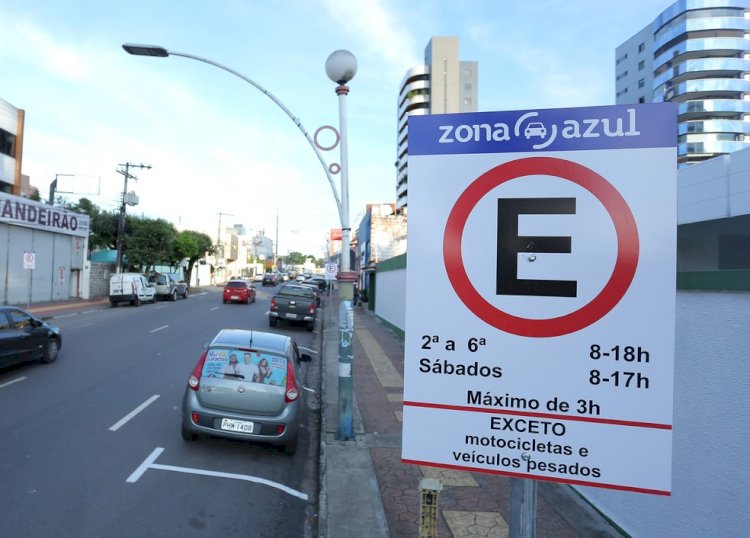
(235, 297)
(242, 426)
(291, 316)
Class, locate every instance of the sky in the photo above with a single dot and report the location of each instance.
(221, 152)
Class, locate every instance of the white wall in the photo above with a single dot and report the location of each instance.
(714, 189)
(711, 436)
(390, 288)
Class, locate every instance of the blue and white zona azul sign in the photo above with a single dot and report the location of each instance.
(549, 238)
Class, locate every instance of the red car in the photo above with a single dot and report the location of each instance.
(239, 291)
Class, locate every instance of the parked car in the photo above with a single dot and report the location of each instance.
(270, 279)
(24, 337)
(239, 291)
(130, 288)
(258, 277)
(315, 289)
(169, 285)
(294, 304)
(246, 385)
(320, 281)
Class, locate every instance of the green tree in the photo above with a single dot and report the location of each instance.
(193, 246)
(295, 258)
(102, 225)
(34, 195)
(149, 242)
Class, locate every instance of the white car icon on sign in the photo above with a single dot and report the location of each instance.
(535, 128)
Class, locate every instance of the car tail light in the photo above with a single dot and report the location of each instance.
(312, 308)
(273, 303)
(292, 392)
(194, 381)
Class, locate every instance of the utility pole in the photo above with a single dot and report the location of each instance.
(121, 223)
(276, 243)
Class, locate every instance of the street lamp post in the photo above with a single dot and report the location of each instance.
(341, 67)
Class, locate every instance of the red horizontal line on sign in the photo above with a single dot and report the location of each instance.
(616, 422)
(539, 477)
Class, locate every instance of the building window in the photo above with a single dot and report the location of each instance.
(641, 99)
(641, 65)
(641, 47)
(7, 143)
(641, 83)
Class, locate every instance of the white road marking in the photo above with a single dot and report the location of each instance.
(133, 413)
(148, 463)
(12, 381)
(81, 326)
(308, 389)
(159, 328)
(214, 308)
(308, 349)
(161, 306)
(145, 465)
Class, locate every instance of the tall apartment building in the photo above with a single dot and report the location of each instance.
(11, 148)
(695, 53)
(443, 84)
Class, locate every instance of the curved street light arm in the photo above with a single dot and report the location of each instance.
(296, 120)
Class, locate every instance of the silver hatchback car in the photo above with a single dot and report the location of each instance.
(246, 385)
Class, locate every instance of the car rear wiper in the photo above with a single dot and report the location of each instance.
(236, 376)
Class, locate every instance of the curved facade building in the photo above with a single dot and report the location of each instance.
(442, 85)
(696, 53)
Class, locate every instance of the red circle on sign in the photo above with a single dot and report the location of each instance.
(618, 283)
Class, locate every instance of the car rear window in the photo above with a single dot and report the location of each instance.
(245, 365)
(297, 291)
(158, 279)
(236, 284)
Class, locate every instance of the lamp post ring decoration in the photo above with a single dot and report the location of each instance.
(333, 168)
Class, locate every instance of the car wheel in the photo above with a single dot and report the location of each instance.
(253, 298)
(185, 295)
(136, 302)
(173, 297)
(51, 351)
(187, 435)
(247, 301)
(113, 304)
(272, 322)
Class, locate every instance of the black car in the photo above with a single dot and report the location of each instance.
(319, 281)
(270, 279)
(24, 337)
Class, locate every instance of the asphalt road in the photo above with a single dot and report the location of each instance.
(91, 444)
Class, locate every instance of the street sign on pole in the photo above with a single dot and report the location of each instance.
(332, 270)
(549, 238)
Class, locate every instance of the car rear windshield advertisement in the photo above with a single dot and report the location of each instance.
(245, 366)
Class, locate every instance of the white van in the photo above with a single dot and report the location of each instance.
(130, 288)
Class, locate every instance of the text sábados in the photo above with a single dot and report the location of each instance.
(445, 367)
